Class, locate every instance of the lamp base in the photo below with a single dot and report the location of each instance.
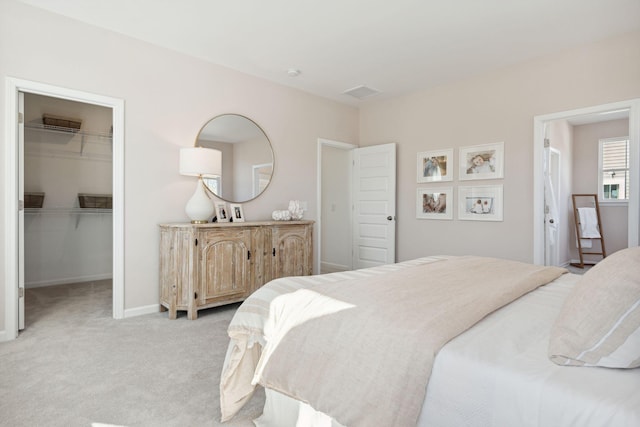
(199, 208)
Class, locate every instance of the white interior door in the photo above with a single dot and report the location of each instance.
(552, 216)
(21, 293)
(374, 205)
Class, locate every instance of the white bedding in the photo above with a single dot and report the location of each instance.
(498, 374)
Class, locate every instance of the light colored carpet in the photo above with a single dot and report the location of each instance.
(75, 366)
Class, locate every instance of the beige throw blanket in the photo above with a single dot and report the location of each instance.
(362, 351)
(246, 329)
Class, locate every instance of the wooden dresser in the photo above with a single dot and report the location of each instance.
(207, 265)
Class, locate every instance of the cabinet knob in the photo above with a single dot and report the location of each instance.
(389, 218)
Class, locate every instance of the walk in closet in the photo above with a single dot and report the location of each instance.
(68, 224)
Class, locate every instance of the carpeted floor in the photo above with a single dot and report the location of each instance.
(74, 365)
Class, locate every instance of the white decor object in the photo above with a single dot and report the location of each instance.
(199, 161)
(281, 215)
(296, 211)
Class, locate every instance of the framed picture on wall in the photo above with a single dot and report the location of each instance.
(435, 166)
(434, 203)
(480, 203)
(222, 214)
(237, 215)
(482, 161)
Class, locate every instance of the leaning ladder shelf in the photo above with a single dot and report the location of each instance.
(579, 237)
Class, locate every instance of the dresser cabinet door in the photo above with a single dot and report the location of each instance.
(225, 265)
(291, 251)
(176, 271)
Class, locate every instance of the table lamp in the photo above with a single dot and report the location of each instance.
(200, 161)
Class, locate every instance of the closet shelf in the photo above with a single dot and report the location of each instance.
(66, 211)
(68, 131)
(63, 142)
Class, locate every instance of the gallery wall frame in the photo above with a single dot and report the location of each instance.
(484, 161)
(434, 203)
(480, 203)
(435, 166)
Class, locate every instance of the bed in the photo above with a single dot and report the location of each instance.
(504, 367)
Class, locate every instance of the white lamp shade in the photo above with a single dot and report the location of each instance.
(200, 161)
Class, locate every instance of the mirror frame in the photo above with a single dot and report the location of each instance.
(268, 140)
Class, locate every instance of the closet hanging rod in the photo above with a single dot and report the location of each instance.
(67, 131)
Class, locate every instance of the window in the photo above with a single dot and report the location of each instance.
(613, 178)
(214, 184)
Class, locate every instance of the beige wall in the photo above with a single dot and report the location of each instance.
(499, 106)
(168, 96)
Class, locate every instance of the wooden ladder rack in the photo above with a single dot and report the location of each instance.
(579, 230)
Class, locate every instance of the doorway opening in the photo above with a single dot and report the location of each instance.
(356, 206)
(67, 187)
(15, 212)
(575, 135)
(333, 242)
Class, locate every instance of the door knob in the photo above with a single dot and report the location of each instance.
(551, 221)
(389, 218)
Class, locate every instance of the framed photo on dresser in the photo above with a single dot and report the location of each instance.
(237, 215)
(221, 212)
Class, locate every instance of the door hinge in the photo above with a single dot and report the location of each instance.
(195, 295)
(547, 143)
(248, 254)
(21, 292)
(196, 242)
(20, 205)
(20, 118)
(274, 252)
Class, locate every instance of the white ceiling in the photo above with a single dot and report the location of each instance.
(392, 46)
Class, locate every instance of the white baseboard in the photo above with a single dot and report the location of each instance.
(329, 267)
(141, 311)
(66, 280)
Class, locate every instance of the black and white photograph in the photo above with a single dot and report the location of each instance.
(222, 214)
(235, 210)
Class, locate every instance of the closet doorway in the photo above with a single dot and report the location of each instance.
(67, 182)
(356, 193)
(75, 146)
(575, 134)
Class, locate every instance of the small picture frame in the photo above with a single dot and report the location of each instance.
(434, 203)
(482, 161)
(480, 203)
(221, 212)
(235, 210)
(435, 166)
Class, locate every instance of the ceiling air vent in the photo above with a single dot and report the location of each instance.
(361, 92)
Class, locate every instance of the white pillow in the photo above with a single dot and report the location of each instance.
(599, 324)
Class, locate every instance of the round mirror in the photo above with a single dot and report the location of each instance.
(247, 157)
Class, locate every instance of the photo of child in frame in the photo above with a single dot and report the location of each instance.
(479, 205)
(481, 162)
